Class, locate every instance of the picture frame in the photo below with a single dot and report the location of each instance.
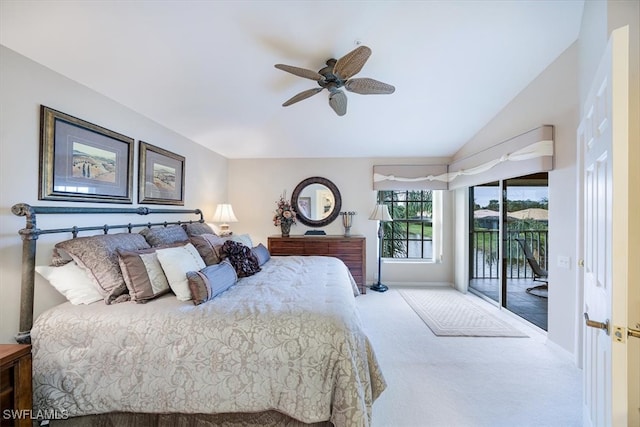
(81, 161)
(160, 176)
(304, 206)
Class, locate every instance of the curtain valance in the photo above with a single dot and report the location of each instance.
(525, 154)
(409, 177)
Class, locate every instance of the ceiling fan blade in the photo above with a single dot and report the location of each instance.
(300, 72)
(338, 101)
(350, 64)
(367, 86)
(302, 95)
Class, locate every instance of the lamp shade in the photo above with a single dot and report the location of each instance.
(224, 213)
(380, 213)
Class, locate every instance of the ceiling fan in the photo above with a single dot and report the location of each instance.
(338, 74)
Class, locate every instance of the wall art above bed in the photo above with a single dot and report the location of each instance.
(81, 161)
(160, 176)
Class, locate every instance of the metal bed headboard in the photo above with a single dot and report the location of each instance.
(31, 233)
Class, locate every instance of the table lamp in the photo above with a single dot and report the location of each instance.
(224, 214)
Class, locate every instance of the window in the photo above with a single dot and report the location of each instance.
(411, 234)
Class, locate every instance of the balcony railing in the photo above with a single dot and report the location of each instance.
(484, 253)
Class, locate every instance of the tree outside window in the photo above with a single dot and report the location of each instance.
(410, 235)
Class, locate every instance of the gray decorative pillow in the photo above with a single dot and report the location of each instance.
(99, 257)
(197, 228)
(163, 236)
(261, 253)
(211, 281)
(60, 258)
(208, 246)
(143, 274)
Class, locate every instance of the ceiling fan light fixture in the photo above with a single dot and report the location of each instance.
(337, 74)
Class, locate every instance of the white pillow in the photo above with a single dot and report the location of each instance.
(72, 282)
(156, 275)
(245, 239)
(176, 262)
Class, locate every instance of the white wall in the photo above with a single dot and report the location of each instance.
(24, 86)
(255, 185)
(552, 98)
(461, 233)
(556, 97)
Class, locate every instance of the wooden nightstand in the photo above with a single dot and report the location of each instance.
(15, 384)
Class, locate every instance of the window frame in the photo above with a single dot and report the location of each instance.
(430, 216)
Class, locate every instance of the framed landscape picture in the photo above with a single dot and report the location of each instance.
(81, 161)
(160, 176)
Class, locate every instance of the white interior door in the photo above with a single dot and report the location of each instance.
(604, 139)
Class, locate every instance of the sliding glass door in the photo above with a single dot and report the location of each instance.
(527, 228)
(514, 212)
(484, 238)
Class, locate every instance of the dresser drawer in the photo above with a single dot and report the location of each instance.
(6, 388)
(345, 246)
(286, 248)
(348, 257)
(317, 248)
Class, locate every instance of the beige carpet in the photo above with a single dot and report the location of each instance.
(449, 313)
(467, 381)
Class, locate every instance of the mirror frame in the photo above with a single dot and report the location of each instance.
(336, 196)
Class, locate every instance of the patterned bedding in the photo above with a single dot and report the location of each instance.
(288, 339)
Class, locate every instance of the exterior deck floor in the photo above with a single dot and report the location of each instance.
(533, 308)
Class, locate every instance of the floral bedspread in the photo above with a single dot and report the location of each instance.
(288, 339)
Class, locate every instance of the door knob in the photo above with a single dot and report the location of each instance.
(598, 325)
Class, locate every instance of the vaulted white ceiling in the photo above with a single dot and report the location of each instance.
(205, 69)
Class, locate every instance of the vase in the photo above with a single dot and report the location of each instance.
(346, 222)
(285, 227)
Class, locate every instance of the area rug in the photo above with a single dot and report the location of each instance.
(449, 313)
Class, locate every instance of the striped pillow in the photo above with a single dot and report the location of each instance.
(211, 281)
(143, 274)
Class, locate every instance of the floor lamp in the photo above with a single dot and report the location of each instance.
(380, 213)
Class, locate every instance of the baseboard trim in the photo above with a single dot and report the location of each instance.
(416, 284)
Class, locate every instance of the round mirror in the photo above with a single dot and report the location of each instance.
(317, 201)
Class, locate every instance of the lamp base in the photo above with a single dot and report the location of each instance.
(379, 287)
(224, 230)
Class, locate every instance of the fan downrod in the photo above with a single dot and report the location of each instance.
(330, 79)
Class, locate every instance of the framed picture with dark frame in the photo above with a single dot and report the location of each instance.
(160, 176)
(83, 162)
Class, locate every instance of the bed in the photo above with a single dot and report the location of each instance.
(283, 346)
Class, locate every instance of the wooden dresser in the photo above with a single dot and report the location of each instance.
(15, 384)
(351, 250)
